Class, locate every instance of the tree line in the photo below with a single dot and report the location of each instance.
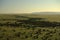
(31, 23)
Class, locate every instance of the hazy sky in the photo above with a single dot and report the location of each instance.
(28, 6)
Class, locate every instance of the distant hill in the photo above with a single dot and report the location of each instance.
(46, 13)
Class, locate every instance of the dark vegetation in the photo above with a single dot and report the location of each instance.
(31, 22)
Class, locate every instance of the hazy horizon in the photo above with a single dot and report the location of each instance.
(38, 13)
(29, 6)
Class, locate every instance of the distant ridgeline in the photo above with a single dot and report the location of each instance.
(46, 13)
(21, 21)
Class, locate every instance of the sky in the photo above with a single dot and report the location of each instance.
(29, 6)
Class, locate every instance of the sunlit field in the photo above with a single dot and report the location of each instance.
(29, 27)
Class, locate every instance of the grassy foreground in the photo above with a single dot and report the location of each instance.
(39, 33)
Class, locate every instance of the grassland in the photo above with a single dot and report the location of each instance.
(11, 27)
